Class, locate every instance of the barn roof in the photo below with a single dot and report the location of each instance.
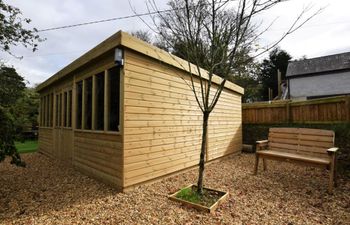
(124, 39)
(319, 65)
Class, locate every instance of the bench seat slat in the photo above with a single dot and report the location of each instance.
(306, 137)
(292, 156)
(302, 131)
(316, 144)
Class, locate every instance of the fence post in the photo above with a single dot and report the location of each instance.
(288, 116)
(347, 108)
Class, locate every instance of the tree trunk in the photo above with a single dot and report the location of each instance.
(202, 155)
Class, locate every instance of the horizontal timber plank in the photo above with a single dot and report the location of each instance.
(162, 167)
(189, 101)
(174, 94)
(131, 57)
(153, 161)
(160, 148)
(98, 136)
(114, 157)
(184, 129)
(142, 74)
(97, 166)
(231, 109)
(104, 177)
(170, 153)
(96, 142)
(100, 149)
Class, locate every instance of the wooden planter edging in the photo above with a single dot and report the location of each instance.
(197, 206)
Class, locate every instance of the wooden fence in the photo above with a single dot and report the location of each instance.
(326, 110)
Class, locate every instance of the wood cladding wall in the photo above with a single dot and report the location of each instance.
(99, 155)
(163, 123)
(45, 141)
(95, 153)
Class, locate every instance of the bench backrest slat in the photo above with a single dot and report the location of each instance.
(313, 142)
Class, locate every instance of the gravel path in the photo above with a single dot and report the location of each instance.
(47, 192)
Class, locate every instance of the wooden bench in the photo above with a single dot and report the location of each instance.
(312, 147)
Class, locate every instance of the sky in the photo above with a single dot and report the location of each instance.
(326, 33)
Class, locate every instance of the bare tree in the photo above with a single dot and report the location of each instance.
(213, 35)
(142, 35)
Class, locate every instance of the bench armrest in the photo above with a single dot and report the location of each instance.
(332, 150)
(261, 144)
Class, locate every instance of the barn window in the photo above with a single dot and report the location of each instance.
(69, 119)
(51, 110)
(99, 101)
(65, 104)
(57, 111)
(60, 111)
(113, 98)
(79, 104)
(46, 111)
(88, 103)
(43, 111)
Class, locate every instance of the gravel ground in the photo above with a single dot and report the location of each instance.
(47, 192)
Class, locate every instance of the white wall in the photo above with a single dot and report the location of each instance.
(329, 84)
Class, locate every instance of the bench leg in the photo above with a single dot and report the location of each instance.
(331, 178)
(256, 164)
(264, 164)
(335, 174)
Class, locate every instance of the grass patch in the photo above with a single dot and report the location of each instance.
(208, 198)
(27, 146)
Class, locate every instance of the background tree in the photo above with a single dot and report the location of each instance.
(142, 35)
(11, 89)
(278, 60)
(25, 110)
(12, 33)
(11, 86)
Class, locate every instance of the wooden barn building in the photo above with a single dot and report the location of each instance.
(123, 113)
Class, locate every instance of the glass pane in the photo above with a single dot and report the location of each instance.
(79, 104)
(88, 103)
(60, 111)
(65, 104)
(114, 101)
(70, 109)
(57, 111)
(100, 98)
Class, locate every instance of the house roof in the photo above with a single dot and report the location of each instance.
(324, 64)
(124, 39)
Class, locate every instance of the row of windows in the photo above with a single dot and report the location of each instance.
(98, 101)
(97, 104)
(64, 109)
(47, 109)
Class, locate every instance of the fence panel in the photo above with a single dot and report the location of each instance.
(326, 110)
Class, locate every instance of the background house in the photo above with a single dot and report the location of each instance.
(123, 113)
(319, 77)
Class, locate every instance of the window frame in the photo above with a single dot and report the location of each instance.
(93, 75)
